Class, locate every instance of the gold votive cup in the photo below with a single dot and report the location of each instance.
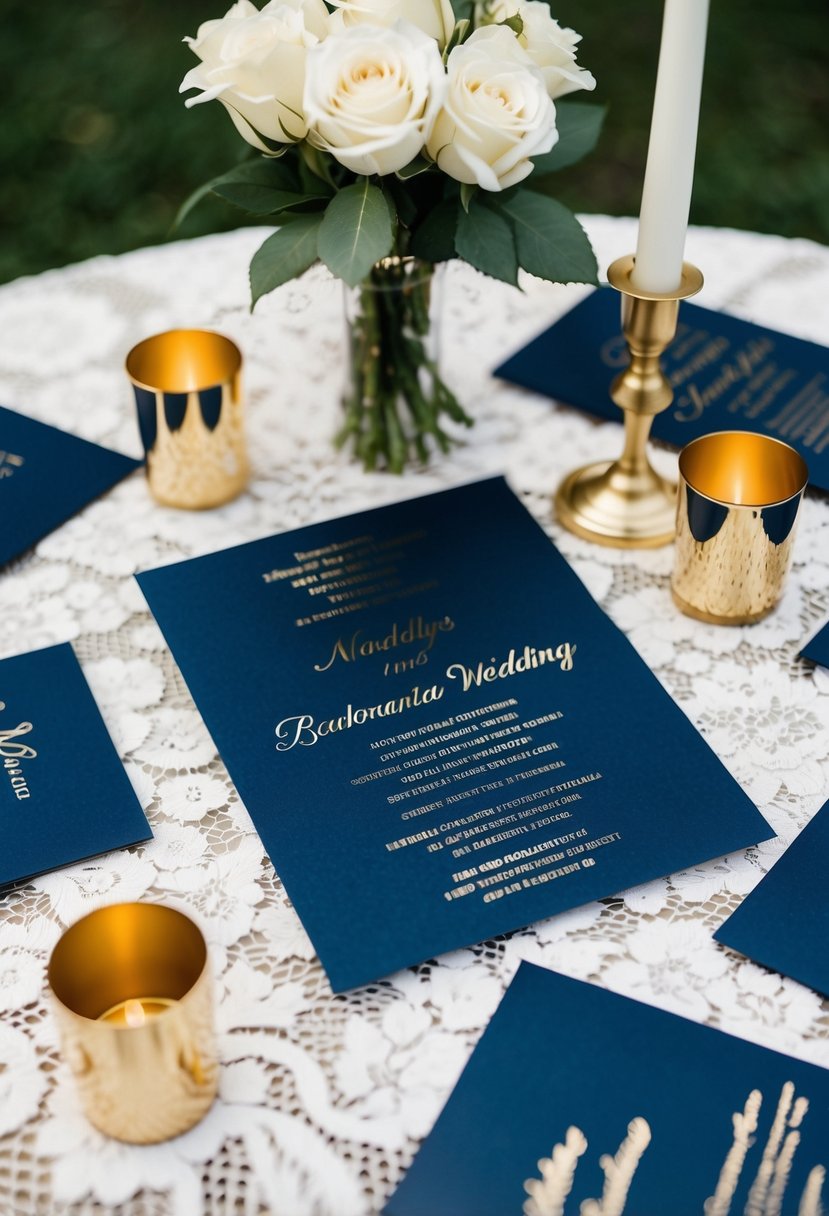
(739, 497)
(133, 999)
(188, 393)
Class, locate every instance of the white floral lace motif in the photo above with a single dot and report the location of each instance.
(324, 1099)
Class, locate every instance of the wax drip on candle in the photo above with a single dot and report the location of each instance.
(669, 174)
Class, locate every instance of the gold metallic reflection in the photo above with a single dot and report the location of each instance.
(625, 503)
(198, 460)
(148, 1081)
(124, 951)
(737, 508)
(183, 361)
(741, 469)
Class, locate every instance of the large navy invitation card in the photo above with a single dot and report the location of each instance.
(578, 1102)
(727, 374)
(439, 734)
(64, 795)
(784, 922)
(46, 476)
(817, 648)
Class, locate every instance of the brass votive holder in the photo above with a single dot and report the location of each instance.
(624, 503)
(739, 497)
(133, 999)
(188, 392)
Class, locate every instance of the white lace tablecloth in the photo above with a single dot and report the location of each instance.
(324, 1098)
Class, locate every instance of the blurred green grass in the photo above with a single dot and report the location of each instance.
(98, 150)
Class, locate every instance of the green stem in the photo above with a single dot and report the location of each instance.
(396, 397)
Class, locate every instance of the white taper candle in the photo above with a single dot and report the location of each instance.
(669, 175)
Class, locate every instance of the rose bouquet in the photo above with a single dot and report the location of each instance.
(394, 135)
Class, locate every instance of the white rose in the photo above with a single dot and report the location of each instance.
(497, 112)
(551, 48)
(372, 94)
(434, 17)
(253, 62)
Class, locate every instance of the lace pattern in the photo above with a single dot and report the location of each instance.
(324, 1098)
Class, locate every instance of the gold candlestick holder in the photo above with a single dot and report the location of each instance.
(625, 503)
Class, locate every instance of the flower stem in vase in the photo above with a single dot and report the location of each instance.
(395, 395)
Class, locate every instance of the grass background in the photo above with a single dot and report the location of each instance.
(98, 150)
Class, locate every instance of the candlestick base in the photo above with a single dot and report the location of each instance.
(611, 506)
(625, 503)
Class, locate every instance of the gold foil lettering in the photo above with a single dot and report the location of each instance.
(358, 646)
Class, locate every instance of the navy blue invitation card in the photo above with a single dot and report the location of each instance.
(817, 648)
(578, 1102)
(47, 476)
(64, 795)
(727, 375)
(439, 734)
(784, 922)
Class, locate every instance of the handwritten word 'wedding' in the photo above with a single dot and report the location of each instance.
(303, 728)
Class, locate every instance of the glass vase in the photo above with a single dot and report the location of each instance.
(395, 401)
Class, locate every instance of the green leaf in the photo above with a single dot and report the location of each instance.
(459, 33)
(252, 186)
(286, 254)
(190, 202)
(550, 241)
(265, 171)
(356, 231)
(463, 9)
(314, 172)
(486, 241)
(391, 203)
(434, 239)
(262, 187)
(404, 202)
(419, 165)
(467, 194)
(259, 201)
(514, 23)
(579, 127)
